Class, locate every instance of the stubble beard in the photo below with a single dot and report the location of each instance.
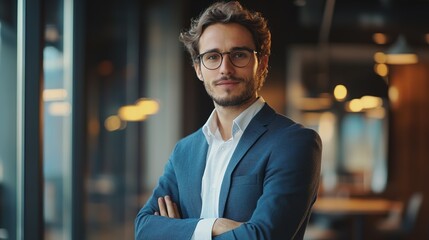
(234, 101)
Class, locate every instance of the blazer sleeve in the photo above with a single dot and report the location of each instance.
(149, 226)
(289, 189)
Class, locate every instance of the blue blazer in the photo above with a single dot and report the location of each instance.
(270, 183)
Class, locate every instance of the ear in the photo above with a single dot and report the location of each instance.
(263, 63)
(197, 68)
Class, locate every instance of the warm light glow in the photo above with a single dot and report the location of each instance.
(377, 113)
(105, 68)
(371, 102)
(114, 123)
(408, 58)
(379, 38)
(393, 94)
(94, 127)
(310, 104)
(59, 109)
(355, 105)
(427, 38)
(54, 95)
(327, 125)
(340, 92)
(140, 111)
(381, 69)
(311, 118)
(401, 53)
(131, 113)
(380, 57)
(51, 33)
(148, 106)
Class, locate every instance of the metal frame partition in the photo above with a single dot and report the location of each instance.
(30, 221)
(29, 156)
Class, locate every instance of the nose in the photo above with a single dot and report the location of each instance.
(226, 66)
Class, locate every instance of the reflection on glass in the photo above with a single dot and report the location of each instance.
(328, 132)
(56, 124)
(354, 127)
(8, 123)
(53, 145)
(365, 147)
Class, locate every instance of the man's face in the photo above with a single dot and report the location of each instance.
(229, 85)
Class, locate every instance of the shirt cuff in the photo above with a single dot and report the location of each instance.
(203, 230)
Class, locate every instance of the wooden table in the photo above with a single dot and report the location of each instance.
(357, 208)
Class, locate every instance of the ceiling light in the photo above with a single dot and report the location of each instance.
(380, 57)
(401, 53)
(355, 105)
(148, 106)
(379, 38)
(340, 92)
(114, 123)
(131, 113)
(381, 69)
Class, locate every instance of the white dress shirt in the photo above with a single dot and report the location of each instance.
(218, 156)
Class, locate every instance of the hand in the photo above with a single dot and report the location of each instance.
(222, 225)
(167, 208)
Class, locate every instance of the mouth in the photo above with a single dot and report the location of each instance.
(227, 81)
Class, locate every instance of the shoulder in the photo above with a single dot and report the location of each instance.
(294, 133)
(192, 140)
(195, 136)
(283, 125)
(293, 146)
(285, 134)
(290, 127)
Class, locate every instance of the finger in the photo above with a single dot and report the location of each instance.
(162, 208)
(176, 209)
(170, 207)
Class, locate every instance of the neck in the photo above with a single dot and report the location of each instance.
(226, 115)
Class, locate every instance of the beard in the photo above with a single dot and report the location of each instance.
(235, 100)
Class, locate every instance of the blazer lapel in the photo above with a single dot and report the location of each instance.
(252, 133)
(196, 170)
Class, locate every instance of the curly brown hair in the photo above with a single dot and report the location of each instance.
(229, 12)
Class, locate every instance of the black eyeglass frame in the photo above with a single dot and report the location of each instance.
(199, 57)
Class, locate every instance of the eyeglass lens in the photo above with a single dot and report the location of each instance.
(238, 58)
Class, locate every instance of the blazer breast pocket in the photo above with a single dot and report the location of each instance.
(243, 197)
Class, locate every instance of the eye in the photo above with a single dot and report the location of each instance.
(211, 56)
(239, 54)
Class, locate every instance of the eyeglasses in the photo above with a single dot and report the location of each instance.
(239, 58)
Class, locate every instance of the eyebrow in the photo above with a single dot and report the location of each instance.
(232, 49)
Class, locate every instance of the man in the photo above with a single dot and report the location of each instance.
(248, 173)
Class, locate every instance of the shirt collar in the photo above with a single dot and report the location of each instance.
(239, 123)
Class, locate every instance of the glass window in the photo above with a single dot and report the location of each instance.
(347, 104)
(8, 121)
(57, 123)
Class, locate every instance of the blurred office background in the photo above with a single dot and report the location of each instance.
(94, 95)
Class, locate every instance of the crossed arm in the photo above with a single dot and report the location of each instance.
(289, 190)
(168, 208)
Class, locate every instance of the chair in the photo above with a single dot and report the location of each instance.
(399, 225)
